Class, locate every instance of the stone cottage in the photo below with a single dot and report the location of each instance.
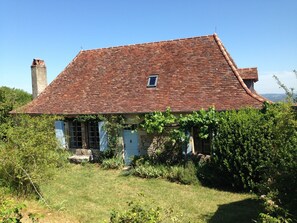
(184, 74)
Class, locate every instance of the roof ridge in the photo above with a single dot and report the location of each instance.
(245, 68)
(234, 69)
(149, 43)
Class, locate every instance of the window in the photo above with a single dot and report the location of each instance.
(201, 145)
(152, 81)
(75, 134)
(93, 135)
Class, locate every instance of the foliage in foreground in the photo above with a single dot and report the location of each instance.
(30, 154)
(139, 212)
(13, 211)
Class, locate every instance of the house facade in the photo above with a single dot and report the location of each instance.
(184, 74)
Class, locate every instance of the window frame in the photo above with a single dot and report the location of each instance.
(149, 85)
(75, 134)
(93, 140)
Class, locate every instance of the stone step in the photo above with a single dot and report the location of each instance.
(80, 158)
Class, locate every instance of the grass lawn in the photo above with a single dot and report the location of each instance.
(88, 194)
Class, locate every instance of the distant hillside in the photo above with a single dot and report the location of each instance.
(275, 97)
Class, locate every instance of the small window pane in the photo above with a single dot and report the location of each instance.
(152, 81)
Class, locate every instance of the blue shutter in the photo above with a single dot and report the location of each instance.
(103, 139)
(189, 145)
(60, 133)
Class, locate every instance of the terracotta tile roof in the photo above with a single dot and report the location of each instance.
(193, 73)
(248, 73)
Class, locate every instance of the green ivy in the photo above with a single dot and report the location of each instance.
(205, 121)
(157, 122)
(114, 124)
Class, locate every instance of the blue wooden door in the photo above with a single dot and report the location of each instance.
(103, 138)
(60, 133)
(130, 145)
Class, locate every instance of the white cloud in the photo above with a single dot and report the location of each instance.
(267, 84)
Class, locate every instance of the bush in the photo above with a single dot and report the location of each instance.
(255, 150)
(10, 212)
(150, 171)
(280, 182)
(241, 148)
(31, 153)
(100, 156)
(273, 213)
(145, 169)
(112, 163)
(10, 99)
(137, 213)
(140, 212)
(184, 175)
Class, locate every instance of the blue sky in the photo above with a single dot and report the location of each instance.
(257, 33)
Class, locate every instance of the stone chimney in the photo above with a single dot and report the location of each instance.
(39, 79)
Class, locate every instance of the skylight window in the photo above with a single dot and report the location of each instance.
(152, 81)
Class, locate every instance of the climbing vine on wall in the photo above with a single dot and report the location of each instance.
(114, 124)
(205, 120)
(157, 122)
(175, 129)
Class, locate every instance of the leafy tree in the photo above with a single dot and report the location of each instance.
(29, 149)
(10, 98)
(291, 96)
(30, 154)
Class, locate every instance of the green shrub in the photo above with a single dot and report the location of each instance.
(100, 156)
(10, 99)
(184, 175)
(137, 213)
(256, 150)
(140, 212)
(112, 163)
(180, 174)
(250, 143)
(10, 212)
(242, 147)
(273, 213)
(150, 171)
(281, 178)
(31, 153)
